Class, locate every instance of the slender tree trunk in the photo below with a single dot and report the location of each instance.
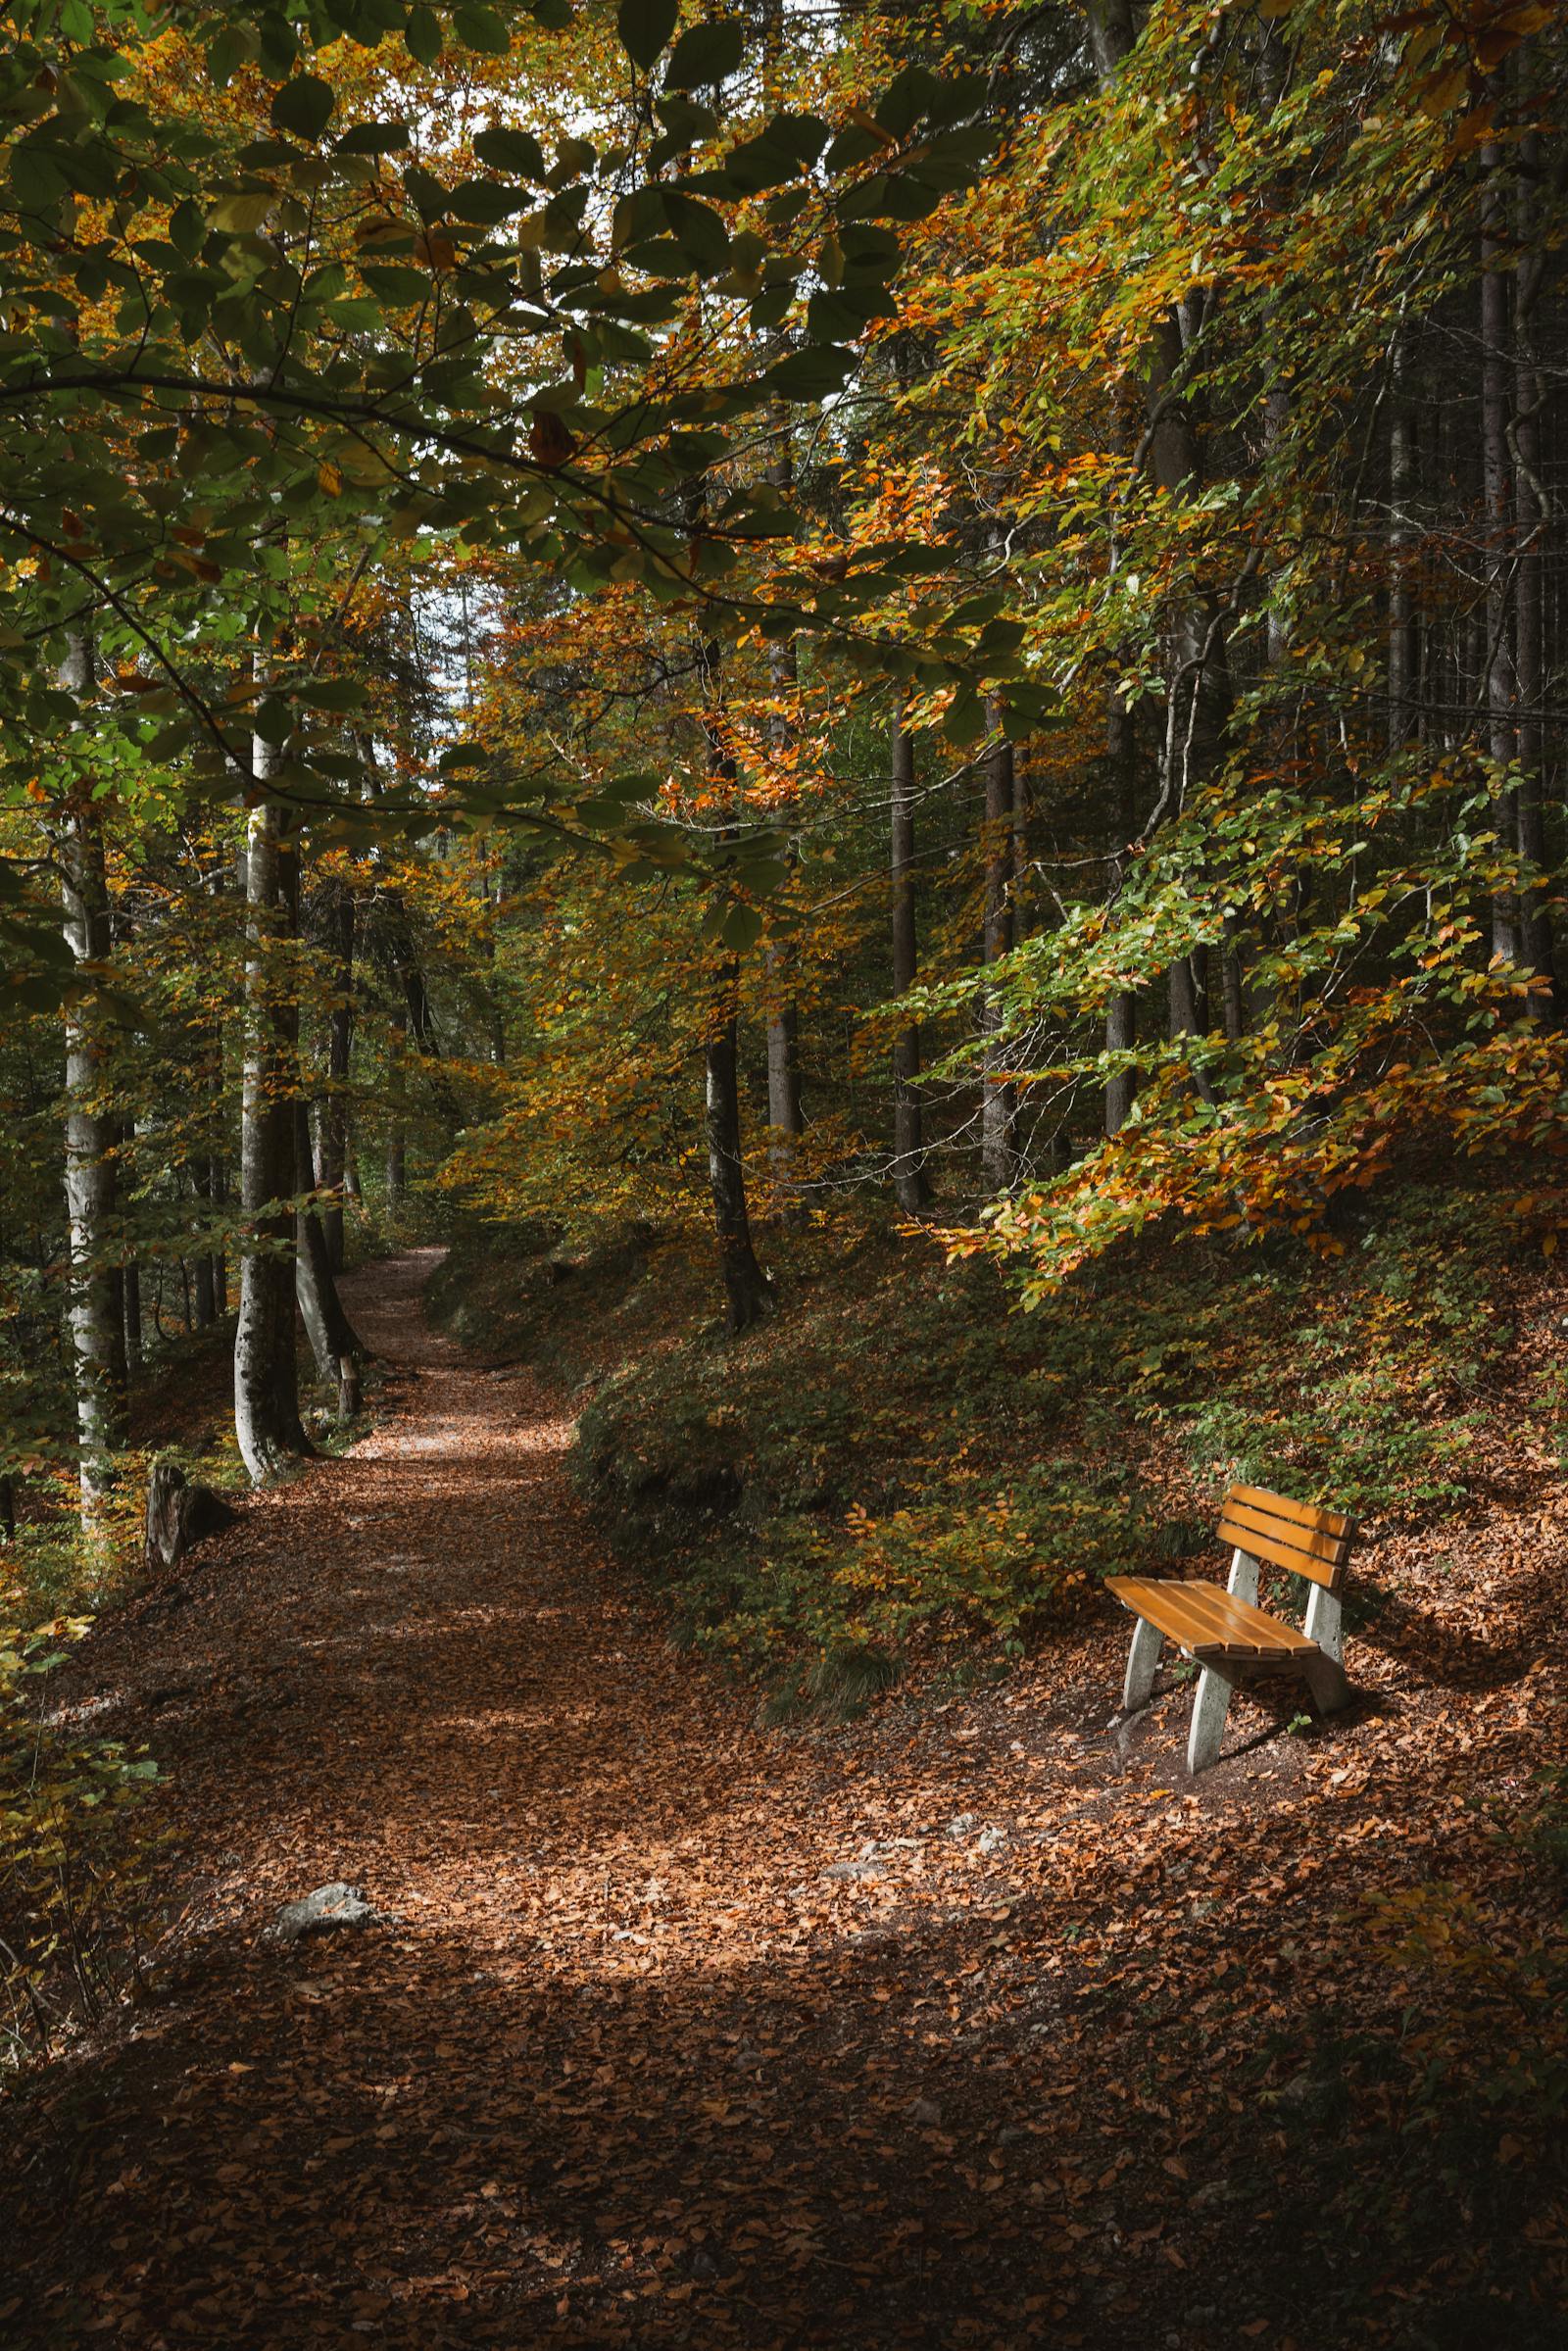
(333, 1132)
(1496, 473)
(746, 1289)
(334, 1342)
(998, 1102)
(1533, 522)
(218, 1193)
(128, 1274)
(266, 1418)
(94, 1312)
(206, 1302)
(397, 1167)
(131, 1308)
(1188, 1013)
(1121, 1013)
(784, 1112)
(911, 1186)
(1121, 1035)
(1402, 650)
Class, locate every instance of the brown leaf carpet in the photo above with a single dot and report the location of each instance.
(625, 2066)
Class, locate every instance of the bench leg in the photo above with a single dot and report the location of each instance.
(1325, 1678)
(1210, 1709)
(1143, 1658)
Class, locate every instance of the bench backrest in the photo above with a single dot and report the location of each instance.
(1296, 1536)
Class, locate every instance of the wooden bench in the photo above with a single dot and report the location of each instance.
(1226, 1632)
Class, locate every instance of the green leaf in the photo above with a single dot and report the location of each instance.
(698, 231)
(187, 230)
(768, 161)
(243, 216)
(304, 106)
(847, 310)
(487, 202)
(810, 374)
(645, 28)
(706, 53)
(422, 35)
(330, 694)
(508, 150)
(741, 927)
(372, 138)
(389, 283)
(481, 29)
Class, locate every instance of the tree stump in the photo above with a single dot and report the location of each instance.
(180, 1514)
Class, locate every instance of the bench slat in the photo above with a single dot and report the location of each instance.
(1332, 1549)
(1315, 1556)
(1336, 1524)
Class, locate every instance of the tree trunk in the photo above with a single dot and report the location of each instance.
(911, 1186)
(746, 1289)
(1496, 488)
(1121, 1034)
(1532, 522)
(266, 1419)
(1188, 1017)
(94, 1312)
(1402, 540)
(179, 1515)
(999, 1100)
(784, 1112)
(131, 1315)
(1121, 1013)
(334, 1342)
(335, 1115)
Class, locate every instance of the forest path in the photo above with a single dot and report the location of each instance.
(621, 2067)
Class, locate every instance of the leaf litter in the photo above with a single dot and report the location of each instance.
(632, 2055)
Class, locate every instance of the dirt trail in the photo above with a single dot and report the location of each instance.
(565, 2096)
(678, 2031)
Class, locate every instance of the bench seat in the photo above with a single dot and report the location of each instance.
(1210, 1622)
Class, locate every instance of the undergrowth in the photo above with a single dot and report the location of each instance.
(70, 1878)
(900, 1466)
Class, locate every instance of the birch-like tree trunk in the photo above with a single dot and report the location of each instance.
(267, 1420)
(94, 1312)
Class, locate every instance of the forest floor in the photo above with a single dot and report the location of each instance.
(971, 2023)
